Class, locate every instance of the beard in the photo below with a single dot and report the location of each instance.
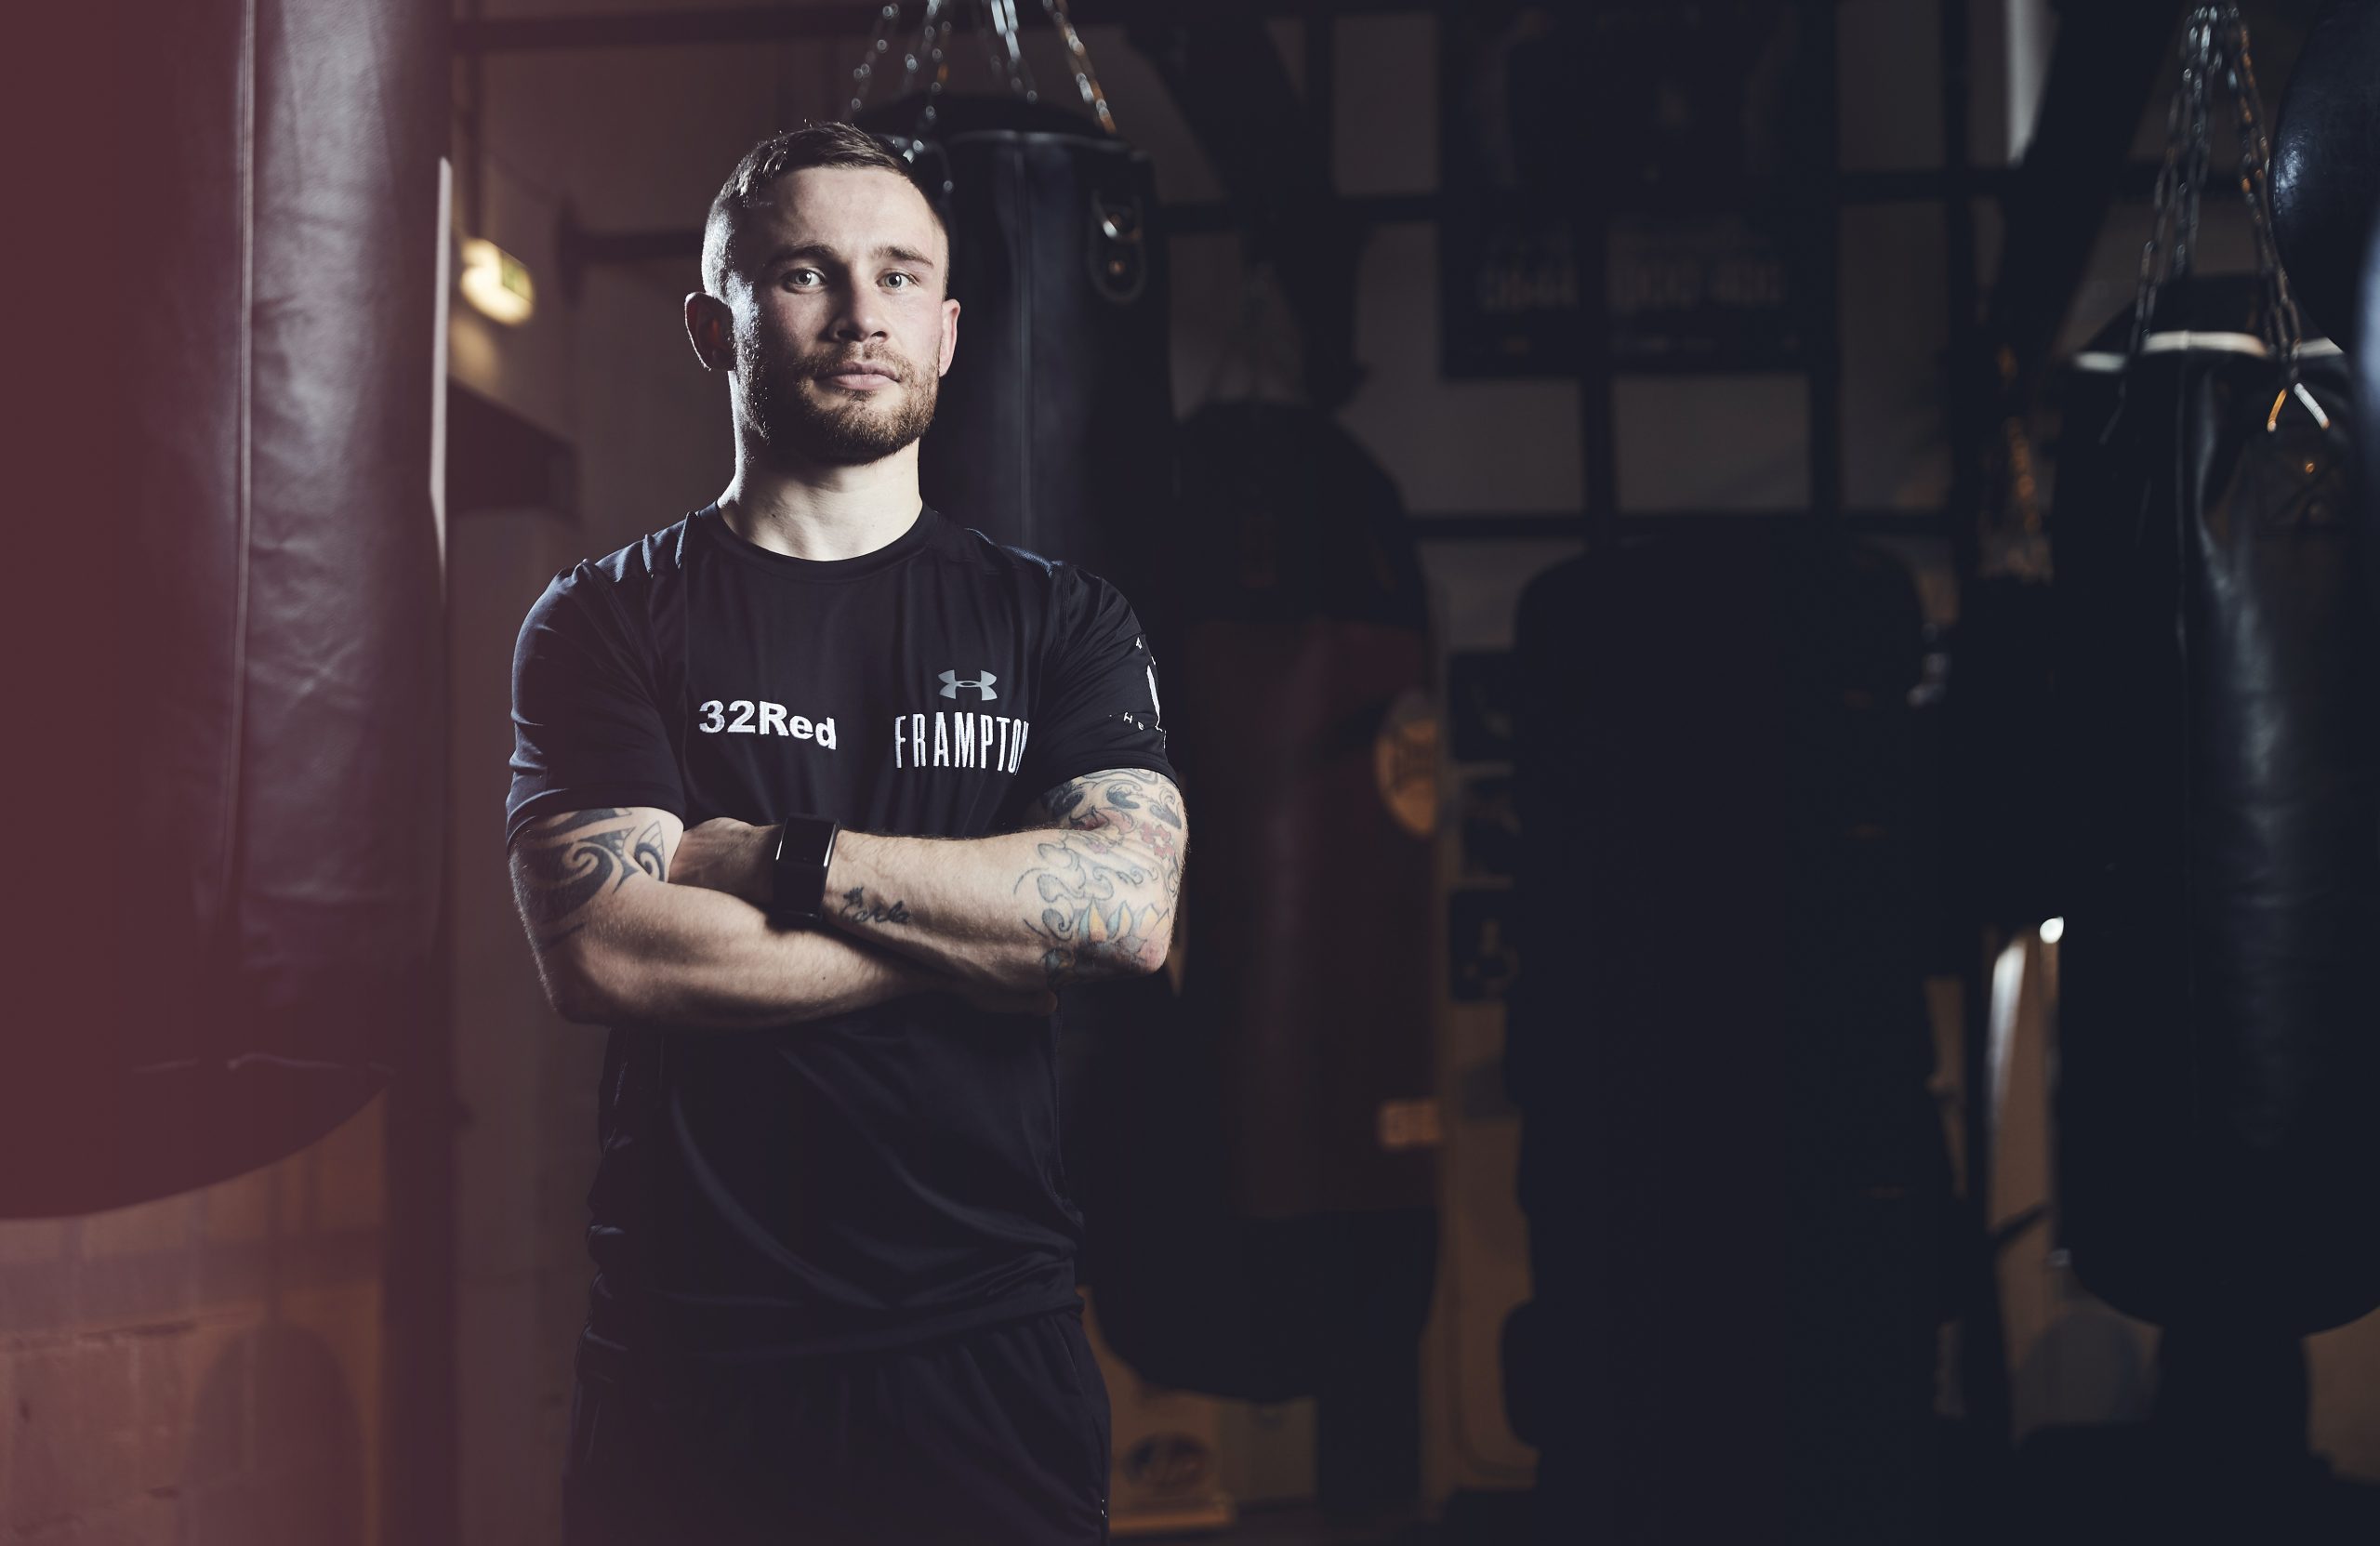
(797, 413)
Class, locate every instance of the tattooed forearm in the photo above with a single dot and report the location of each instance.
(1132, 805)
(1095, 916)
(1106, 890)
(857, 909)
(562, 865)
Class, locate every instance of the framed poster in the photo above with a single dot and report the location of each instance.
(1561, 118)
(1700, 293)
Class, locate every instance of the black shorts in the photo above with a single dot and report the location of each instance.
(994, 1436)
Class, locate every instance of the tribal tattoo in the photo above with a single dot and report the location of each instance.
(1108, 887)
(565, 862)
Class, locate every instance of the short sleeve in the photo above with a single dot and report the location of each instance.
(586, 731)
(1098, 707)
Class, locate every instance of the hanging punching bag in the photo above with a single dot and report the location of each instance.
(2218, 685)
(2326, 167)
(1054, 428)
(1730, 1163)
(247, 605)
(1285, 1202)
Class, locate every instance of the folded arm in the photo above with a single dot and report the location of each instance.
(1086, 889)
(616, 943)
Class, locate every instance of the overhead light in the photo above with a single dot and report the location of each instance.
(495, 283)
(2052, 930)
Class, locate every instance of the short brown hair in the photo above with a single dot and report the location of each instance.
(827, 144)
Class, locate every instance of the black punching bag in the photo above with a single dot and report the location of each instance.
(1264, 1196)
(2218, 685)
(1732, 1170)
(1055, 426)
(2326, 167)
(243, 786)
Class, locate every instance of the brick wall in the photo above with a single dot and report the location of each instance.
(205, 1369)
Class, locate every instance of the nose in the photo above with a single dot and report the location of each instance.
(860, 317)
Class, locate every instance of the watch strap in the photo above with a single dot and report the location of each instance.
(798, 873)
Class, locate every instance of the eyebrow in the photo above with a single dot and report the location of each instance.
(819, 251)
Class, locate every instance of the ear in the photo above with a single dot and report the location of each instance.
(708, 323)
(949, 336)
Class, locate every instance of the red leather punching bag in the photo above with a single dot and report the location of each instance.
(1264, 1207)
(235, 804)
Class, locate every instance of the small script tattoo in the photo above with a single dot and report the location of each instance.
(858, 909)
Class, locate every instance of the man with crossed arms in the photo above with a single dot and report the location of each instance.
(818, 799)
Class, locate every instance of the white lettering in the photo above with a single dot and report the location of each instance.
(1016, 752)
(941, 742)
(965, 736)
(756, 716)
(900, 735)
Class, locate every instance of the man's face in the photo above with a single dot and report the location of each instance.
(841, 329)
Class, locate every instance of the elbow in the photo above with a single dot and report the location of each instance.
(572, 999)
(582, 990)
(1153, 940)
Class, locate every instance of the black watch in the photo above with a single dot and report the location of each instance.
(798, 875)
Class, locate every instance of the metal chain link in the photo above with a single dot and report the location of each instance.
(2215, 44)
(2168, 195)
(1020, 73)
(2284, 329)
(1001, 33)
(1085, 78)
(880, 40)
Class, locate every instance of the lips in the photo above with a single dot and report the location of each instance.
(859, 374)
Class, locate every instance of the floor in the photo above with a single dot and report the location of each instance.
(1469, 1519)
(2346, 1513)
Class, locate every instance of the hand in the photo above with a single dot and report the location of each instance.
(724, 854)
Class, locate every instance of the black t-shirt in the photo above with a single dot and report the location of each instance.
(868, 1179)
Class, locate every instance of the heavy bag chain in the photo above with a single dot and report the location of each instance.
(2214, 43)
(1002, 34)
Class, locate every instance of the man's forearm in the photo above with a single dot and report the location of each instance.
(1086, 889)
(1025, 910)
(694, 958)
(616, 942)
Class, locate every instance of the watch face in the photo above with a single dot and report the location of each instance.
(799, 874)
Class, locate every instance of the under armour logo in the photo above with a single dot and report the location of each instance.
(951, 683)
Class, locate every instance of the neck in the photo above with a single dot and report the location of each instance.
(822, 511)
